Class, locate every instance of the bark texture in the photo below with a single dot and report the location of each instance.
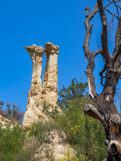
(103, 108)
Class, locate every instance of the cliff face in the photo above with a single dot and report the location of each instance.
(49, 90)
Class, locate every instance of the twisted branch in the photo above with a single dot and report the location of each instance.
(104, 35)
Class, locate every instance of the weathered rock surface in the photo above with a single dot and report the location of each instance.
(33, 113)
(50, 82)
(57, 148)
(4, 120)
(38, 93)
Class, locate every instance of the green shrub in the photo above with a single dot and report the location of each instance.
(40, 130)
(11, 142)
(84, 133)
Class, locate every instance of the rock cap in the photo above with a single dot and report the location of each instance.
(51, 49)
(34, 48)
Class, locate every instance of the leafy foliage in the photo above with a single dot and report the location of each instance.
(40, 130)
(11, 142)
(75, 90)
(85, 134)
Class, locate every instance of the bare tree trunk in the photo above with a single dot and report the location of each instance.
(103, 108)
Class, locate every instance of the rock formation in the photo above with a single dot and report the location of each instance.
(4, 120)
(38, 93)
(56, 149)
(34, 108)
(50, 82)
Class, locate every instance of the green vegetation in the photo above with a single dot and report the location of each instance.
(75, 90)
(11, 142)
(84, 134)
(39, 130)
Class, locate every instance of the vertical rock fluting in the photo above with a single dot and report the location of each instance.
(33, 112)
(36, 54)
(50, 82)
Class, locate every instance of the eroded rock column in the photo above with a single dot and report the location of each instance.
(33, 112)
(50, 82)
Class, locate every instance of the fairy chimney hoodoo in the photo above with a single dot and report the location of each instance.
(49, 90)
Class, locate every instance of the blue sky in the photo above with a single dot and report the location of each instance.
(29, 22)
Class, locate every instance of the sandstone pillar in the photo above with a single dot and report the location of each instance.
(34, 96)
(33, 112)
(50, 82)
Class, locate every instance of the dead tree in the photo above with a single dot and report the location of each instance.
(103, 108)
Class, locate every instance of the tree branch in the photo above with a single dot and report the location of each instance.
(88, 29)
(111, 3)
(119, 71)
(93, 112)
(117, 51)
(97, 52)
(111, 13)
(90, 57)
(116, 7)
(104, 35)
(101, 74)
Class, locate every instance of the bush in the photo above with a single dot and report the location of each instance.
(11, 142)
(85, 134)
(40, 129)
